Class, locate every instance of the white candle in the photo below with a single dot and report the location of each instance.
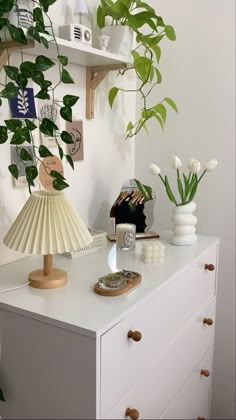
(125, 236)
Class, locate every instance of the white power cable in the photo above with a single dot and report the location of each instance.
(14, 288)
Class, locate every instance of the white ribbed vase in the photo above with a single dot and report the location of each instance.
(184, 223)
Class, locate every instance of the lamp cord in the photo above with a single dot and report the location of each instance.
(14, 288)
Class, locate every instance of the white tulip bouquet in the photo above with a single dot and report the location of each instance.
(187, 186)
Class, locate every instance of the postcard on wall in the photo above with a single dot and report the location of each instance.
(21, 165)
(23, 105)
(76, 149)
(46, 109)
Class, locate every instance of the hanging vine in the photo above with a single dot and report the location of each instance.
(17, 130)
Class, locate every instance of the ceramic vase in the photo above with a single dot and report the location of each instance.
(184, 223)
(120, 39)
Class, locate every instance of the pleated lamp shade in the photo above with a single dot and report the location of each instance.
(47, 225)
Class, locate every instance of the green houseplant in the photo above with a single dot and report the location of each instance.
(18, 131)
(149, 30)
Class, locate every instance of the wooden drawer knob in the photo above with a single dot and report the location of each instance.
(209, 267)
(205, 372)
(208, 321)
(132, 413)
(135, 335)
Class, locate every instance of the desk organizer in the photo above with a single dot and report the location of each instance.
(98, 244)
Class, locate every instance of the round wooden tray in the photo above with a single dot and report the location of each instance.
(111, 292)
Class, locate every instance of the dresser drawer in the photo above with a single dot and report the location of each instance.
(193, 400)
(157, 386)
(159, 319)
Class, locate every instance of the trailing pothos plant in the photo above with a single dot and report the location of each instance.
(149, 30)
(18, 131)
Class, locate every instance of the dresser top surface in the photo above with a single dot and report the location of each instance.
(75, 306)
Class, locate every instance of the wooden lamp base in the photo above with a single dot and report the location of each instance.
(48, 277)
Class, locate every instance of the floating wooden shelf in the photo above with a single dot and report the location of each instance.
(97, 62)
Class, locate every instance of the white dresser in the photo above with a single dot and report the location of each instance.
(65, 353)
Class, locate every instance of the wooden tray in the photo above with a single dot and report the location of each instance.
(109, 292)
(145, 235)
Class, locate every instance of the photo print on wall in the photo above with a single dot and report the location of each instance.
(46, 109)
(15, 159)
(23, 105)
(76, 149)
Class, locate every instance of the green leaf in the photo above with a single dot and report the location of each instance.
(44, 41)
(43, 63)
(193, 189)
(59, 184)
(6, 6)
(70, 161)
(66, 137)
(10, 91)
(170, 32)
(169, 192)
(129, 126)
(17, 34)
(180, 188)
(28, 68)
(25, 155)
(60, 151)
(20, 136)
(63, 59)
(13, 170)
(31, 173)
(100, 17)
(158, 75)
(159, 120)
(135, 54)
(112, 95)
(66, 113)
(3, 134)
(32, 31)
(65, 77)
(160, 109)
(145, 190)
(48, 127)
(142, 67)
(22, 81)
(46, 4)
(3, 22)
(70, 100)
(42, 94)
(44, 152)
(13, 124)
(30, 125)
(157, 52)
(56, 174)
(12, 72)
(170, 102)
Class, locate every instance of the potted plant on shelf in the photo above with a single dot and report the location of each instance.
(20, 131)
(149, 30)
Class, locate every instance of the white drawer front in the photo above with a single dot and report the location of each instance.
(193, 400)
(159, 319)
(157, 386)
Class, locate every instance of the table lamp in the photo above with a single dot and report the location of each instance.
(47, 225)
(81, 8)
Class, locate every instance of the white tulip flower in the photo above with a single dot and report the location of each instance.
(190, 163)
(176, 162)
(211, 165)
(195, 166)
(154, 169)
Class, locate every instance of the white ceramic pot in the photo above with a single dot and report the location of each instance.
(121, 39)
(184, 223)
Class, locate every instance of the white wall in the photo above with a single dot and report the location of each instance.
(108, 159)
(199, 74)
